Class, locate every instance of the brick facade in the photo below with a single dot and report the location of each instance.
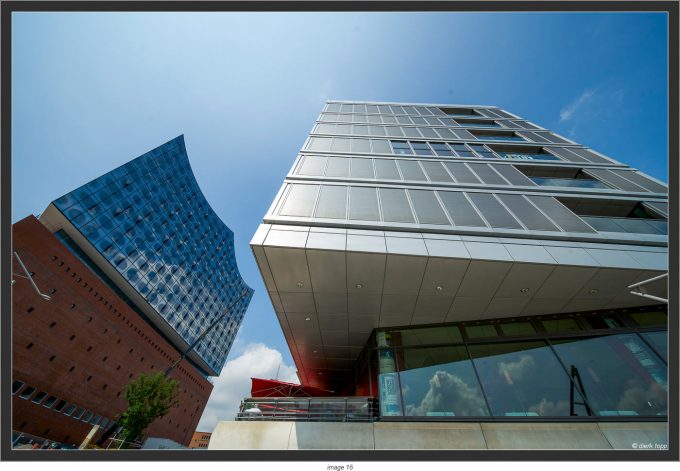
(84, 346)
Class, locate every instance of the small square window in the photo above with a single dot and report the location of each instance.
(69, 409)
(16, 386)
(88, 415)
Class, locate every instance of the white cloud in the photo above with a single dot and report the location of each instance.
(568, 111)
(233, 384)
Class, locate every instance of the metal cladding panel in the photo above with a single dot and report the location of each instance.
(149, 222)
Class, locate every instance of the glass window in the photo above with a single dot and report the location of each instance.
(333, 107)
(363, 204)
(513, 175)
(377, 130)
(389, 120)
(371, 109)
(60, 406)
(343, 129)
(78, 413)
(411, 170)
(319, 143)
(380, 146)
(361, 168)
(428, 210)
(564, 218)
(441, 149)
(88, 415)
(439, 381)
(436, 172)
(394, 131)
(445, 334)
(523, 379)
(620, 374)
(659, 341)
(527, 213)
(360, 108)
(493, 211)
(446, 133)
(386, 170)
(461, 211)
(346, 108)
(404, 120)
(397, 109)
(360, 145)
(649, 318)
(337, 167)
(300, 200)
(462, 173)
(428, 132)
(374, 119)
(421, 148)
(39, 397)
(395, 206)
(603, 322)
(487, 174)
(384, 109)
(411, 132)
(69, 409)
(517, 328)
(312, 165)
(50, 401)
(332, 202)
(27, 392)
(16, 386)
(340, 144)
(401, 147)
(323, 128)
(553, 326)
(481, 330)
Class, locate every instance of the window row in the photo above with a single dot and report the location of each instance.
(612, 375)
(448, 149)
(416, 110)
(395, 205)
(392, 131)
(384, 109)
(412, 170)
(26, 392)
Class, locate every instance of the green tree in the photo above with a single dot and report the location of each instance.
(149, 396)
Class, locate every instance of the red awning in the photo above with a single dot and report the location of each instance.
(274, 388)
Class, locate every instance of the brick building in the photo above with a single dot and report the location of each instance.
(74, 355)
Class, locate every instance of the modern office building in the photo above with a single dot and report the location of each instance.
(457, 263)
(137, 267)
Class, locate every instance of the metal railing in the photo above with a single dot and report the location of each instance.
(321, 409)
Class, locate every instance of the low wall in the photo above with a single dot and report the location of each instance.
(252, 435)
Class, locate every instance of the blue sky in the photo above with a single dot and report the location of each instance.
(91, 91)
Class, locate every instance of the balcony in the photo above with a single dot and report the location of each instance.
(309, 409)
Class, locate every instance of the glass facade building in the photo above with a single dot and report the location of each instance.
(147, 230)
(461, 261)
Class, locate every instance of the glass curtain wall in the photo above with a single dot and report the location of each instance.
(612, 364)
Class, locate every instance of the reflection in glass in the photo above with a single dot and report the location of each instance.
(439, 381)
(621, 375)
(523, 379)
(659, 341)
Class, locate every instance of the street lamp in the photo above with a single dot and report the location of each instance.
(184, 354)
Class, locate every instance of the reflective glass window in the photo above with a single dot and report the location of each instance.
(360, 145)
(659, 341)
(386, 169)
(649, 318)
(319, 143)
(340, 144)
(377, 130)
(441, 149)
(337, 167)
(487, 174)
(300, 200)
(421, 148)
(394, 131)
(414, 336)
(332, 202)
(517, 328)
(411, 132)
(361, 168)
(461, 211)
(312, 165)
(436, 172)
(363, 204)
(439, 382)
(527, 213)
(563, 217)
(620, 374)
(380, 146)
(428, 210)
(560, 325)
(523, 379)
(461, 172)
(428, 132)
(493, 211)
(411, 170)
(395, 206)
(401, 147)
